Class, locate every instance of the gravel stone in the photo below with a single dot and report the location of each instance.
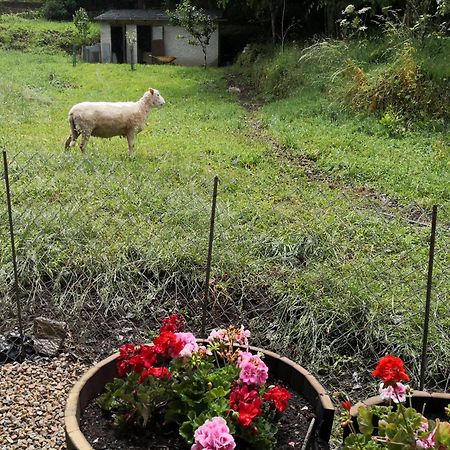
(32, 402)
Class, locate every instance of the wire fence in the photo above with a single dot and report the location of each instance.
(328, 275)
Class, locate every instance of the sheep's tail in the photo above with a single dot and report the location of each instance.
(70, 142)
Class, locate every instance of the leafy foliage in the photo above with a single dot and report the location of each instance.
(174, 381)
(82, 23)
(59, 9)
(199, 25)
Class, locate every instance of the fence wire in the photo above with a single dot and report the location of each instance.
(332, 277)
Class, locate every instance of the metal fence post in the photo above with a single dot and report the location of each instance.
(13, 252)
(423, 365)
(209, 259)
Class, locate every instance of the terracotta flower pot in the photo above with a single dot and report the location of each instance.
(432, 405)
(300, 380)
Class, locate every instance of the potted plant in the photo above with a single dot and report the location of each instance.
(214, 393)
(398, 418)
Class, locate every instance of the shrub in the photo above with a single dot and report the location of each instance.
(400, 86)
(58, 9)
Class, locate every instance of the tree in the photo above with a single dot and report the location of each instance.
(82, 24)
(58, 9)
(199, 25)
(272, 9)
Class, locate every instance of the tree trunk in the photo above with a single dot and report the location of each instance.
(332, 12)
(204, 57)
(273, 21)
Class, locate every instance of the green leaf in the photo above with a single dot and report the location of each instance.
(359, 442)
(365, 420)
(442, 435)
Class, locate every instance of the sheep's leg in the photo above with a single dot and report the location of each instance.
(130, 139)
(70, 141)
(85, 140)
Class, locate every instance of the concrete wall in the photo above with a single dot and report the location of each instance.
(105, 39)
(186, 54)
(132, 56)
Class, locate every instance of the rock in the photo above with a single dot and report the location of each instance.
(234, 89)
(46, 328)
(49, 336)
(48, 347)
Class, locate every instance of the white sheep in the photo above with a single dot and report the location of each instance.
(108, 119)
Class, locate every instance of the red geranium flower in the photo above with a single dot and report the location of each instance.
(168, 344)
(279, 396)
(127, 351)
(390, 369)
(347, 405)
(173, 323)
(158, 372)
(247, 403)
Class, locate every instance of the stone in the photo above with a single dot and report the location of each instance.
(49, 336)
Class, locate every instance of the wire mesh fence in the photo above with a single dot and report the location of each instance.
(328, 275)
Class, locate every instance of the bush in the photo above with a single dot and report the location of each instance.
(410, 80)
(400, 86)
(59, 9)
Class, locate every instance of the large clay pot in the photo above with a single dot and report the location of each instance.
(432, 405)
(300, 380)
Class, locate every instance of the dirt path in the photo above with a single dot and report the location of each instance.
(390, 207)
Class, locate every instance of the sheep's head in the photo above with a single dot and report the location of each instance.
(154, 97)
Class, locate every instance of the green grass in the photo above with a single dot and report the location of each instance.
(39, 35)
(358, 149)
(321, 274)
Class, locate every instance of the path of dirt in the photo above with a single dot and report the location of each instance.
(390, 207)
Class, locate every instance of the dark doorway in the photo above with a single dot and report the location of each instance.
(117, 44)
(144, 42)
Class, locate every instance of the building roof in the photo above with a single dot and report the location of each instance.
(141, 15)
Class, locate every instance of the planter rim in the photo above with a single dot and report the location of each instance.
(72, 412)
(76, 440)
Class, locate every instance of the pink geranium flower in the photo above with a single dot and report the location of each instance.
(427, 442)
(214, 434)
(218, 335)
(242, 336)
(396, 393)
(253, 370)
(189, 345)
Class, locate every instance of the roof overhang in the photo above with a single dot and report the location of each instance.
(142, 16)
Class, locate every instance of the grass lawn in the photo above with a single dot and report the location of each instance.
(320, 273)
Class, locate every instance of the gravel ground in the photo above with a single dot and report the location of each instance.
(32, 400)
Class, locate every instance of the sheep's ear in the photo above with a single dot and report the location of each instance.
(152, 91)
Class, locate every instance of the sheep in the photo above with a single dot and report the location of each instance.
(108, 119)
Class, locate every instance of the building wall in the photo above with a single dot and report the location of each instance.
(105, 39)
(186, 54)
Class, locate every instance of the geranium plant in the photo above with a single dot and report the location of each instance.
(395, 425)
(215, 394)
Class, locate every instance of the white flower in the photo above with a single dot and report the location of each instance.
(364, 10)
(350, 9)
